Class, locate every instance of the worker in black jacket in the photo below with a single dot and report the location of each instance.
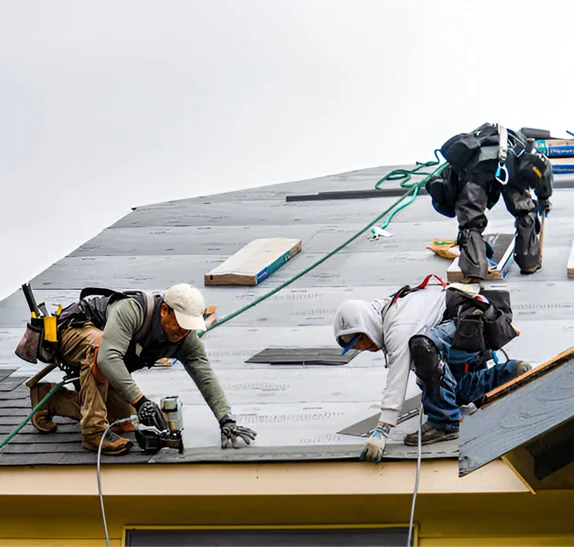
(483, 165)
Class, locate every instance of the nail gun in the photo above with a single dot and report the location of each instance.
(151, 440)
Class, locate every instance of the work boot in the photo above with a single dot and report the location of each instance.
(113, 445)
(532, 270)
(429, 435)
(42, 420)
(522, 368)
(472, 281)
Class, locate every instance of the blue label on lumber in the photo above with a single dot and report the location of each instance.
(273, 267)
(563, 168)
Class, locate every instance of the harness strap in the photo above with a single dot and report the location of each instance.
(408, 289)
(144, 329)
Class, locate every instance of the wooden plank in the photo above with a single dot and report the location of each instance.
(570, 266)
(503, 255)
(532, 374)
(303, 356)
(255, 262)
(517, 419)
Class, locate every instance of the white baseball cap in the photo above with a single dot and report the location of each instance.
(188, 304)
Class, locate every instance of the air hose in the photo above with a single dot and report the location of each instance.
(404, 175)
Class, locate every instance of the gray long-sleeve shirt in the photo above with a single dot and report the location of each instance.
(124, 320)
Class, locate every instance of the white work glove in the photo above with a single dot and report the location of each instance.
(375, 446)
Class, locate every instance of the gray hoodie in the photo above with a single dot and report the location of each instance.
(390, 327)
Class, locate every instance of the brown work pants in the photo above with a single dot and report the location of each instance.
(98, 403)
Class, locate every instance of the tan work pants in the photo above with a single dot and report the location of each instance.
(98, 403)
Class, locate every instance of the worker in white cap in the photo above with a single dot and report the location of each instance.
(106, 336)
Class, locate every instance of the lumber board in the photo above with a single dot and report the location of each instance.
(503, 255)
(255, 262)
(570, 266)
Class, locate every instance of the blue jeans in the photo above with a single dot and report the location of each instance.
(459, 387)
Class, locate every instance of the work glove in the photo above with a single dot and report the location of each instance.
(544, 206)
(231, 433)
(150, 414)
(375, 446)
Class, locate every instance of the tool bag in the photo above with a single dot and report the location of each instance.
(443, 190)
(39, 342)
(459, 150)
(531, 166)
(483, 322)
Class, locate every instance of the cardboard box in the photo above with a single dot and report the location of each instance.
(255, 262)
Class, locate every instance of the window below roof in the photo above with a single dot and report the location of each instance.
(260, 537)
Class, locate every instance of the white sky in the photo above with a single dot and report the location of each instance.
(109, 104)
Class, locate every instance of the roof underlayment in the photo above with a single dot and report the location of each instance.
(296, 410)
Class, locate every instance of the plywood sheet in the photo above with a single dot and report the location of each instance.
(255, 262)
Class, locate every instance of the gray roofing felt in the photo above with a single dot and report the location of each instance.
(296, 410)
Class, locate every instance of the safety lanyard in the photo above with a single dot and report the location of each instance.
(407, 288)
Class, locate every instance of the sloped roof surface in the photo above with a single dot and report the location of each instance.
(295, 410)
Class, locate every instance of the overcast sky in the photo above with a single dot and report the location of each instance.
(109, 104)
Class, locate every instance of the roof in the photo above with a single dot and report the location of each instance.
(296, 410)
(523, 413)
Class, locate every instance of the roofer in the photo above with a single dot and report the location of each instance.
(482, 165)
(108, 336)
(446, 335)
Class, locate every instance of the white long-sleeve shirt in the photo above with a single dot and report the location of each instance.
(413, 314)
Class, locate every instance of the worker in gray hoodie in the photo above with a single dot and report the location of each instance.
(416, 329)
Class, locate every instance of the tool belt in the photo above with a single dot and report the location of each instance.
(40, 340)
(482, 323)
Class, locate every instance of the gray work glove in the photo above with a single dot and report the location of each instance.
(150, 414)
(231, 433)
(544, 207)
(375, 446)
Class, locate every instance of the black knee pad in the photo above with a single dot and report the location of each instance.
(427, 360)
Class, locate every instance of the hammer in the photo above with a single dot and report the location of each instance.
(39, 375)
(543, 223)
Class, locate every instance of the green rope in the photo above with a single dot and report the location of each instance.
(29, 417)
(405, 175)
(398, 174)
(393, 175)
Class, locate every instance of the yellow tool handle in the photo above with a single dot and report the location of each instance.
(50, 332)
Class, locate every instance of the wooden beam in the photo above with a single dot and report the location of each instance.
(545, 367)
